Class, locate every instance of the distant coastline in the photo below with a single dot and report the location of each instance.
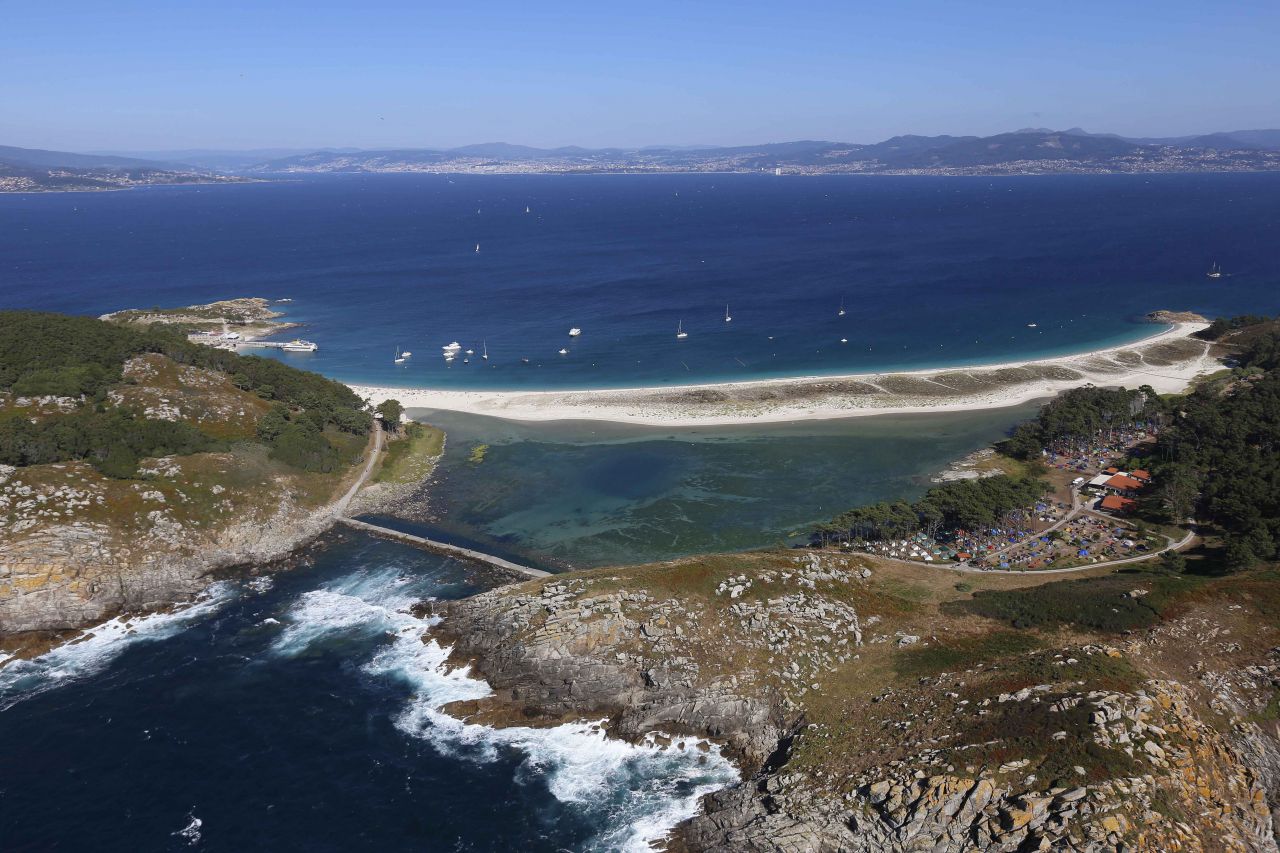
(1168, 361)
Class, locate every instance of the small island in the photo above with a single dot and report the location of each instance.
(245, 319)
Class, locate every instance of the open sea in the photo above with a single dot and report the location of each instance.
(931, 271)
(300, 711)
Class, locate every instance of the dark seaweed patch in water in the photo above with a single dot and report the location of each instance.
(636, 473)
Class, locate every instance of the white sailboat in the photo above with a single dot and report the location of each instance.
(486, 350)
(681, 334)
(1215, 271)
(563, 351)
(399, 357)
(844, 340)
(840, 313)
(477, 248)
(526, 208)
(727, 317)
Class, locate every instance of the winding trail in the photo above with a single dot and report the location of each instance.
(340, 508)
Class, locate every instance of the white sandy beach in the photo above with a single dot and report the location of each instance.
(1167, 361)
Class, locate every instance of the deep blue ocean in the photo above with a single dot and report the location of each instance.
(931, 271)
(301, 711)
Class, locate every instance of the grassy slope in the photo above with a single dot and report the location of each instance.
(924, 703)
(202, 490)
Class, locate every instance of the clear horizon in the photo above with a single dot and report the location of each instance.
(149, 77)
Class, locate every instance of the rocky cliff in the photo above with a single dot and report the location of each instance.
(77, 546)
(81, 564)
(867, 718)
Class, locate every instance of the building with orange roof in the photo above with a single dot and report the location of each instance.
(1115, 503)
(1123, 483)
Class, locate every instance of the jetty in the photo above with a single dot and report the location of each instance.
(340, 515)
(442, 547)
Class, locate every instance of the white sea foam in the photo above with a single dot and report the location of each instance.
(191, 832)
(635, 793)
(94, 648)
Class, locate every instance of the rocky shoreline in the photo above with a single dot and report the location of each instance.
(755, 661)
(67, 576)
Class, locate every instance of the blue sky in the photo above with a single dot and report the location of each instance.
(131, 75)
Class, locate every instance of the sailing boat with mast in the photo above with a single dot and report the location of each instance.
(399, 356)
(485, 345)
(681, 334)
(840, 313)
(727, 317)
(1215, 271)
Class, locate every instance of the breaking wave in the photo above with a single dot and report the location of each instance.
(633, 793)
(91, 650)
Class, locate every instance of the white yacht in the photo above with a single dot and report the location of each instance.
(1215, 271)
(1031, 325)
(844, 340)
(405, 353)
(728, 318)
(574, 332)
(299, 345)
(681, 334)
(453, 347)
(471, 352)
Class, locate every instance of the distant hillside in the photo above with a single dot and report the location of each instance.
(39, 158)
(1023, 151)
(1007, 147)
(38, 170)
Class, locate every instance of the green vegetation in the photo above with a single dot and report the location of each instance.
(1221, 459)
(113, 441)
(1079, 415)
(411, 458)
(964, 504)
(953, 655)
(1101, 604)
(1223, 325)
(391, 410)
(82, 358)
(477, 454)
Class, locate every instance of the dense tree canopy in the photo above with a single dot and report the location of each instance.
(43, 354)
(965, 504)
(1080, 414)
(113, 441)
(1223, 449)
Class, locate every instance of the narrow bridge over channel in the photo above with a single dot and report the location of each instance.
(340, 515)
(442, 547)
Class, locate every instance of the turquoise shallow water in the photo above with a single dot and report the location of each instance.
(583, 493)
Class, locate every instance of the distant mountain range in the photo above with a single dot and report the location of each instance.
(37, 170)
(1025, 151)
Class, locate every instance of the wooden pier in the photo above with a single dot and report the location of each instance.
(443, 547)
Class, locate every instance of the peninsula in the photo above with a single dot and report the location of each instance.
(133, 463)
(1167, 361)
